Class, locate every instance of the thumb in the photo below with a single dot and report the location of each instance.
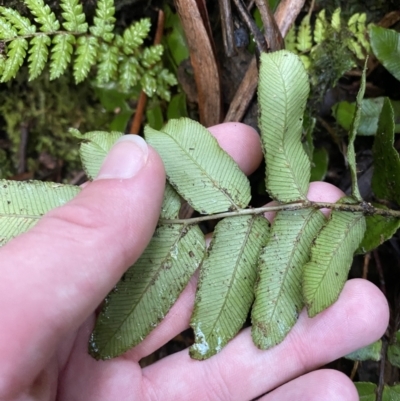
(57, 273)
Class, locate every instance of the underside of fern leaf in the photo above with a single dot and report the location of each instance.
(24, 203)
(283, 92)
(193, 159)
(225, 289)
(147, 290)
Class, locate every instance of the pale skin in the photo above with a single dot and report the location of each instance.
(53, 277)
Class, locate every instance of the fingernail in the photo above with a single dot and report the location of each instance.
(125, 159)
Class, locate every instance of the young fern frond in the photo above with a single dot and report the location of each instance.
(118, 58)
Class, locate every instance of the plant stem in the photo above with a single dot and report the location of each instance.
(366, 208)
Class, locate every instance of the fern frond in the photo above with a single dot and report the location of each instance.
(74, 18)
(355, 48)
(44, 15)
(128, 73)
(134, 35)
(165, 79)
(151, 55)
(352, 23)
(61, 54)
(104, 20)
(304, 37)
(22, 24)
(290, 39)
(86, 54)
(15, 57)
(39, 53)
(6, 30)
(320, 27)
(108, 66)
(336, 22)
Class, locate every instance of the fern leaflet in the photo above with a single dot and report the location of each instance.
(74, 18)
(39, 54)
(16, 54)
(6, 30)
(108, 66)
(44, 16)
(22, 24)
(134, 35)
(61, 54)
(86, 54)
(104, 20)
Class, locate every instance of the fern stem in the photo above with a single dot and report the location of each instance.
(366, 208)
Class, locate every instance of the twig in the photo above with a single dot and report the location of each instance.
(227, 27)
(285, 16)
(22, 148)
(354, 370)
(259, 39)
(142, 101)
(367, 259)
(382, 364)
(379, 268)
(271, 30)
(366, 208)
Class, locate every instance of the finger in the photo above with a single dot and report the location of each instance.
(316, 386)
(242, 142)
(56, 274)
(358, 318)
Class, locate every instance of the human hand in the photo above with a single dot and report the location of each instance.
(53, 277)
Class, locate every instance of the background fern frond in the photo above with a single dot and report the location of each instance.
(61, 54)
(151, 55)
(6, 30)
(39, 54)
(128, 73)
(74, 18)
(336, 21)
(22, 24)
(320, 27)
(44, 15)
(104, 20)
(149, 84)
(304, 37)
(134, 35)
(108, 66)
(165, 79)
(15, 57)
(86, 54)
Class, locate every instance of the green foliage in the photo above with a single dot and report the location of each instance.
(281, 121)
(330, 48)
(386, 177)
(48, 109)
(227, 277)
(386, 47)
(19, 211)
(115, 58)
(303, 259)
(371, 352)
